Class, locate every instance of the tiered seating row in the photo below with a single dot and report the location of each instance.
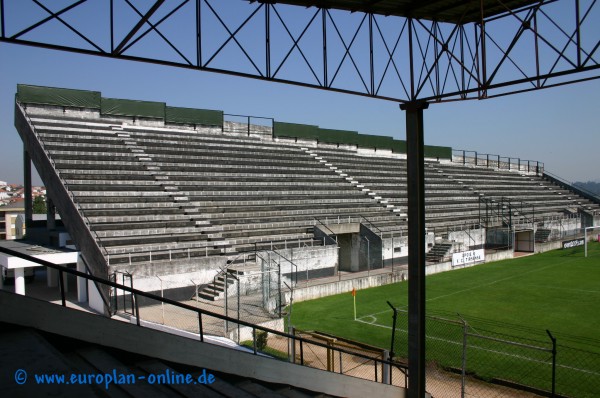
(157, 189)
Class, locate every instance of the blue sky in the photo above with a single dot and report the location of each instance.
(558, 126)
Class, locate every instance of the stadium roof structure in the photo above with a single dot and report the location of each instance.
(428, 51)
(396, 50)
(452, 11)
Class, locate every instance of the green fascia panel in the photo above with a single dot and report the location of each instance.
(442, 152)
(375, 141)
(338, 136)
(27, 94)
(399, 146)
(281, 129)
(122, 107)
(194, 116)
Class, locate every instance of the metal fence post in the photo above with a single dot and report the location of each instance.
(394, 319)
(463, 374)
(200, 329)
(292, 343)
(137, 309)
(226, 306)
(553, 362)
(62, 288)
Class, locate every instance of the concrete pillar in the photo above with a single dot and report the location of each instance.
(28, 189)
(51, 277)
(95, 298)
(81, 283)
(20, 281)
(50, 214)
(385, 377)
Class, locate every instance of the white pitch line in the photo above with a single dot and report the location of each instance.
(375, 324)
(567, 288)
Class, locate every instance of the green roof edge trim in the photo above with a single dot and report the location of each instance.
(203, 117)
(133, 108)
(294, 130)
(66, 97)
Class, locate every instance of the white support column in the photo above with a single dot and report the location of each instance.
(95, 298)
(81, 283)
(20, 281)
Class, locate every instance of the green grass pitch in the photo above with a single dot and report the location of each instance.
(520, 298)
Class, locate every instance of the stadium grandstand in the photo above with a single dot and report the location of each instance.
(151, 190)
(208, 218)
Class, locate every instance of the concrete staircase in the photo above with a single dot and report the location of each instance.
(216, 290)
(438, 252)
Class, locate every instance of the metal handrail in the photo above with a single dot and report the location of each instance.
(200, 312)
(569, 185)
(538, 166)
(323, 224)
(371, 223)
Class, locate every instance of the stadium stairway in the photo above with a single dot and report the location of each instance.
(438, 252)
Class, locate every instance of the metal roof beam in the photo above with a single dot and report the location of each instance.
(138, 26)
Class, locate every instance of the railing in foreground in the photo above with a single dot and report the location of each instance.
(260, 340)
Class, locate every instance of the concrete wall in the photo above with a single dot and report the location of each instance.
(561, 227)
(499, 255)
(245, 333)
(302, 293)
(469, 239)
(348, 260)
(371, 249)
(394, 246)
(308, 260)
(80, 325)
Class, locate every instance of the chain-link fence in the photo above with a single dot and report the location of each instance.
(468, 361)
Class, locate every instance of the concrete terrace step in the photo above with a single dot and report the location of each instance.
(143, 217)
(138, 240)
(161, 249)
(173, 226)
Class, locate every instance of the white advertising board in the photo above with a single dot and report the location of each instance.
(468, 257)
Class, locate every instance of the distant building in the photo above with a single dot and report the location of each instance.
(8, 219)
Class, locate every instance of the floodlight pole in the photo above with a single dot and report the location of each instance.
(416, 246)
